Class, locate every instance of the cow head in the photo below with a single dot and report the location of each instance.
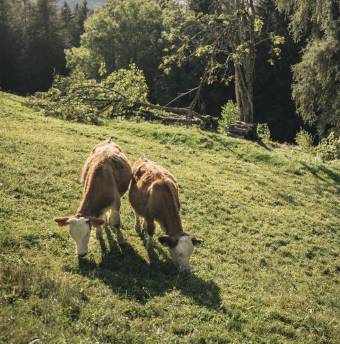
(79, 229)
(180, 249)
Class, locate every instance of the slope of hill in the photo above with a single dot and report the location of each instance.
(91, 3)
(268, 270)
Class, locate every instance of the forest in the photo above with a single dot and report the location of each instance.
(278, 61)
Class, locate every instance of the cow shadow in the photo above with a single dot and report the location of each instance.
(131, 276)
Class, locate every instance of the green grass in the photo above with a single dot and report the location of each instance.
(267, 272)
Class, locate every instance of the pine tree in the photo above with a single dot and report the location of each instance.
(44, 49)
(11, 41)
(66, 28)
(80, 15)
(4, 45)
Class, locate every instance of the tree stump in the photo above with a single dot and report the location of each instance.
(243, 130)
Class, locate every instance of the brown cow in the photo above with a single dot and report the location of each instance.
(154, 196)
(106, 177)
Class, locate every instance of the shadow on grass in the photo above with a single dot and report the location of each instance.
(262, 144)
(287, 198)
(247, 155)
(324, 174)
(131, 276)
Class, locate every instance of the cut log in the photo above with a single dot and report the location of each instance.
(243, 130)
(167, 119)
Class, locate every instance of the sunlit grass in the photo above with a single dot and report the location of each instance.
(268, 270)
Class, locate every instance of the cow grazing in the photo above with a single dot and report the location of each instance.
(106, 177)
(154, 196)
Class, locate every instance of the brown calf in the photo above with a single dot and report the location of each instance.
(154, 196)
(106, 177)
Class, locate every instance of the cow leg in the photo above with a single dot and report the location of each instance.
(100, 238)
(115, 224)
(138, 227)
(149, 229)
(99, 232)
(99, 228)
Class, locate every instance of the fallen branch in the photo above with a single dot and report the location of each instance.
(191, 116)
(181, 95)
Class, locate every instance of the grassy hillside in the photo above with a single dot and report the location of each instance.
(267, 272)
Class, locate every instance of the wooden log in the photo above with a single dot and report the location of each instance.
(237, 130)
(249, 126)
(243, 130)
(169, 119)
(236, 136)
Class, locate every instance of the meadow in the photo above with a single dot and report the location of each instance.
(267, 271)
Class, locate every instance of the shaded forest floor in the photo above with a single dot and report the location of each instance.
(268, 270)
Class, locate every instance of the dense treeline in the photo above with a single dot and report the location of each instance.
(33, 36)
(278, 60)
(273, 103)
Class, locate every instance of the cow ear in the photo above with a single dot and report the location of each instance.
(168, 241)
(61, 221)
(95, 221)
(196, 241)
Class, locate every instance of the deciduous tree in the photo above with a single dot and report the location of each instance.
(225, 36)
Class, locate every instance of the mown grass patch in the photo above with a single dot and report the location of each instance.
(268, 270)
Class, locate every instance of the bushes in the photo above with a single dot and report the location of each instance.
(229, 116)
(263, 131)
(304, 140)
(60, 101)
(76, 98)
(329, 148)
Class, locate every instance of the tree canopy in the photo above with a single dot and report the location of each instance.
(118, 34)
(316, 84)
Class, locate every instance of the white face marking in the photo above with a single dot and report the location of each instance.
(80, 232)
(181, 253)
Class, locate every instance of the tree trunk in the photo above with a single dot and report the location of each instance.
(244, 79)
(245, 62)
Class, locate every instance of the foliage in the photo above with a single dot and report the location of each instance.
(76, 98)
(316, 88)
(33, 36)
(72, 23)
(329, 148)
(263, 131)
(307, 17)
(229, 115)
(304, 139)
(222, 36)
(129, 82)
(118, 34)
(266, 272)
